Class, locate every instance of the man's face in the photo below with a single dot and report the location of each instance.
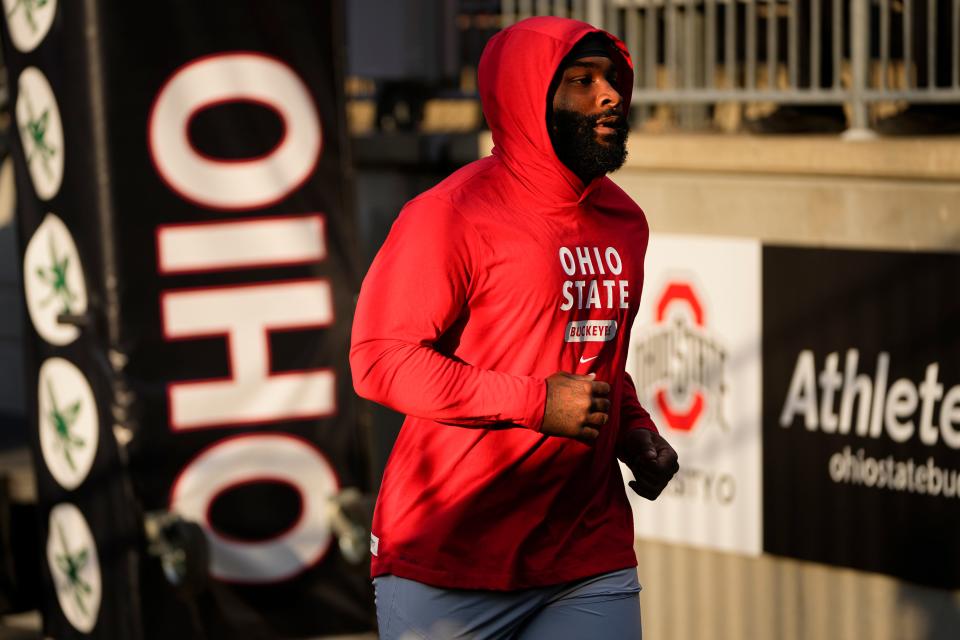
(588, 127)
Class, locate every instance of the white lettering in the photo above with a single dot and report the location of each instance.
(596, 254)
(839, 469)
(609, 255)
(949, 416)
(879, 408)
(901, 402)
(583, 257)
(704, 485)
(802, 396)
(593, 295)
(567, 261)
(608, 285)
(244, 315)
(830, 381)
(921, 480)
(930, 391)
(567, 296)
(855, 385)
(587, 261)
(269, 457)
(879, 394)
(242, 184)
(281, 240)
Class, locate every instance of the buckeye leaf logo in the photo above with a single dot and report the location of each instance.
(53, 281)
(41, 132)
(62, 421)
(54, 275)
(69, 422)
(35, 129)
(74, 566)
(70, 564)
(29, 8)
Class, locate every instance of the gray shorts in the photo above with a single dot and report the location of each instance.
(605, 606)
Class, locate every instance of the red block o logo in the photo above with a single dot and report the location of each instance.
(680, 293)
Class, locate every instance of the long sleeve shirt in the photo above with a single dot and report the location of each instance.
(508, 271)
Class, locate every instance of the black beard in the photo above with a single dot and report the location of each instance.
(576, 143)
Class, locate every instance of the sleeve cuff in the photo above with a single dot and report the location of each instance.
(536, 404)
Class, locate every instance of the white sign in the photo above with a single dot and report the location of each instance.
(53, 281)
(75, 566)
(41, 132)
(29, 21)
(69, 425)
(695, 359)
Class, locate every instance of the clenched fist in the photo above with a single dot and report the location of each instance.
(652, 461)
(577, 406)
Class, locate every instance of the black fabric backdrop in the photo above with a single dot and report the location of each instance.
(104, 496)
(831, 301)
(107, 61)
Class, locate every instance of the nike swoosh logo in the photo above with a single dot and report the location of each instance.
(586, 360)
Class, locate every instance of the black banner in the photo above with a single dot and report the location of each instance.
(861, 410)
(89, 529)
(205, 190)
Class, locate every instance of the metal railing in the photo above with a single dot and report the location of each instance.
(853, 52)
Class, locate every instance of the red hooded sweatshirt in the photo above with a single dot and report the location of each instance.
(504, 273)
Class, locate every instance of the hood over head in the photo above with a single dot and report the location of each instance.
(516, 69)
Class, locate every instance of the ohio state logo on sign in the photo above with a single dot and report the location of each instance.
(680, 366)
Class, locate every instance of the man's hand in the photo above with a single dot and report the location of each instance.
(652, 461)
(576, 406)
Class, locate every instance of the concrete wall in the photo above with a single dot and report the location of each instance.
(801, 190)
(696, 594)
(805, 191)
(813, 192)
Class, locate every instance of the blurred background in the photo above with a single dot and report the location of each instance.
(798, 340)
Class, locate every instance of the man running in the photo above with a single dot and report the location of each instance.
(497, 316)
